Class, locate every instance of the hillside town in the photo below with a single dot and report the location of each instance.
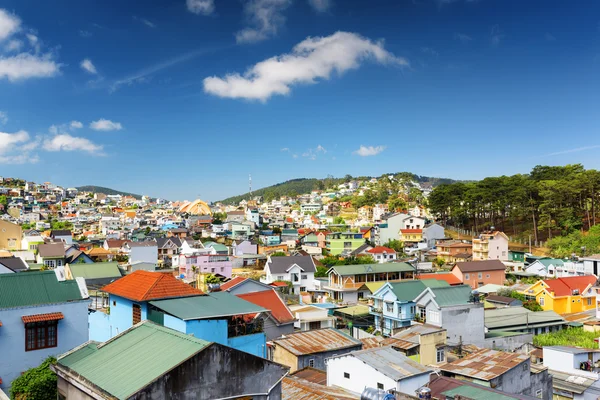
(299, 297)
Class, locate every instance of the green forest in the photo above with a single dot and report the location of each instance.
(548, 202)
(107, 191)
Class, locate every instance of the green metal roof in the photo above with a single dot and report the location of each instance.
(372, 268)
(471, 392)
(515, 318)
(410, 290)
(96, 270)
(216, 246)
(34, 288)
(129, 362)
(452, 295)
(213, 305)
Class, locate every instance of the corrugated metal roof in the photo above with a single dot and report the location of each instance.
(129, 362)
(312, 375)
(293, 388)
(413, 333)
(96, 270)
(570, 383)
(355, 311)
(511, 318)
(452, 296)
(217, 304)
(34, 288)
(390, 362)
(485, 364)
(475, 393)
(316, 341)
(372, 268)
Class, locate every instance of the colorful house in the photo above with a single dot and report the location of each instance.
(454, 251)
(565, 295)
(343, 242)
(479, 273)
(411, 235)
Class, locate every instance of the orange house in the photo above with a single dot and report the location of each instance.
(479, 273)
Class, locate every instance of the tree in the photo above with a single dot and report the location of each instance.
(4, 201)
(279, 254)
(395, 245)
(38, 383)
(321, 272)
(396, 203)
(211, 278)
(339, 221)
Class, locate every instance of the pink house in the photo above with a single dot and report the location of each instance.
(203, 261)
(479, 273)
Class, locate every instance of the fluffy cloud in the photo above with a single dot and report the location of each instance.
(88, 66)
(8, 141)
(76, 125)
(311, 60)
(25, 65)
(3, 118)
(15, 147)
(313, 153)
(266, 17)
(462, 37)
(204, 7)
(13, 45)
(366, 151)
(320, 5)
(496, 35)
(66, 142)
(9, 24)
(106, 125)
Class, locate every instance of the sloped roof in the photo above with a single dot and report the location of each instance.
(316, 341)
(566, 286)
(15, 264)
(270, 300)
(145, 285)
(372, 268)
(381, 250)
(410, 290)
(280, 265)
(96, 271)
(390, 362)
(476, 266)
(60, 232)
(452, 295)
(51, 250)
(213, 305)
(233, 283)
(485, 364)
(142, 354)
(35, 288)
(294, 388)
(162, 242)
(115, 243)
(448, 277)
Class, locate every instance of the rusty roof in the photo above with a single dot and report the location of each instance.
(312, 375)
(378, 341)
(413, 333)
(316, 341)
(300, 389)
(485, 364)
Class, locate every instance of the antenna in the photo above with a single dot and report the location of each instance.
(250, 185)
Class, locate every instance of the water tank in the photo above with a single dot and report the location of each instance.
(376, 394)
(424, 393)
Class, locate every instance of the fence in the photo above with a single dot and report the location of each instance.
(511, 239)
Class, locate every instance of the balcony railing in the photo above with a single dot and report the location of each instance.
(238, 326)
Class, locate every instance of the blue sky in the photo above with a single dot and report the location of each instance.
(185, 98)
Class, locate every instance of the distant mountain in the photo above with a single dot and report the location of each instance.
(107, 191)
(300, 186)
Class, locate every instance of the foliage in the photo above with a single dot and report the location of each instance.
(575, 243)
(550, 200)
(288, 288)
(56, 225)
(339, 221)
(532, 305)
(210, 278)
(567, 337)
(279, 254)
(106, 191)
(321, 272)
(370, 329)
(4, 201)
(395, 245)
(396, 203)
(218, 218)
(38, 383)
(331, 261)
(439, 262)
(277, 230)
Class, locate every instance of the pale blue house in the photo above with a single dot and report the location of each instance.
(393, 303)
(40, 316)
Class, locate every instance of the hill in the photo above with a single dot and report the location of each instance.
(107, 191)
(300, 186)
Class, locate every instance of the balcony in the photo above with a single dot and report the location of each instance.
(239, 325)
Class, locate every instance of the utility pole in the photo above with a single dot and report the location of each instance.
(530, 243)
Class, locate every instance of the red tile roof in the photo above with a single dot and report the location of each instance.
(380, 250)
(566, 286)
(411, 230)
(232, 283)
(145, 286)
(270, 300)
(448, 277)
(42, 317)
(278, 284)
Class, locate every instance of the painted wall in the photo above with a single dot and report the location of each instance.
(144, 254)
(477, 279)
(119, 320)
(72, 331)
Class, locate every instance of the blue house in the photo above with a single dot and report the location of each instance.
(393, 303)
(41, 315)
(219, 317)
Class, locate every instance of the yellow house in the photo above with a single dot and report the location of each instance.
(10, 236)
(564, 295)
(411, 235)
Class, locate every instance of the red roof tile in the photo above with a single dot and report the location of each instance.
(450, 278)
(381, 249)
(566, 286)
(270, 300)
(42, 317)
(278, 284)
(232, 283)
(411, 230)
(145, 286)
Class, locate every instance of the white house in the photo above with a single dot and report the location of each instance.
(390, 226)
(413, 222)
(381, 368)
(300, 270)
(310, 317)
(433, 232)
(146, 252)
(382, 254)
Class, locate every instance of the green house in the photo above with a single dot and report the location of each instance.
(516, 256)
(343, 242)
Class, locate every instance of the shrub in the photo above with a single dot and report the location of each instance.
(38, 383)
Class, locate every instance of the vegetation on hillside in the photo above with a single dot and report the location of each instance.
(567, 337)
(549, 201)
(38, 383)
(107, 191)
(575, 243)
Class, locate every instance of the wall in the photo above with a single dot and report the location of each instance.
(508, 343)
(410, 385)
(274, 331)
(428, 347)
(255, 344)
(8, 232)
(361, 375)
(466, 321)
(72, 331)
(121, 314)
(69, 391)
(473, 278)
(284, 357)
(319, 358)
(145, 254)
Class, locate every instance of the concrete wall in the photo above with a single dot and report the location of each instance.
(145, 254)
(466, 321)
(72, 331)
(248, 286)
(361, 375)
(274, 331)
(319, 358)
(255, 344)
(121, 315)
(508, 343)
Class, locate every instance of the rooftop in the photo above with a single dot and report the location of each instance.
(372, 268)
(35, 288)
(96, 271)
(447, 276)
(270, 300)
(485, 364)
(389, 362)
(142, 353)
(279, 265)
(145, 285)
(233, 283)
(476, 266)
(517, 317)
(567, 286)
(316, 341)
(296, 388)
(451, 295)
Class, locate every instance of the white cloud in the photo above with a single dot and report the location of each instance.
(9, 24)
(576, 150)
(464, 38)
(366, 151)
(320, 5)
(320, 149)
(286, 149)
(145, 21)
(66, 142)
(25, 65)
(85, 34)
(22, 158)
(106, 125)
(15, 147)
(496, 35)
(204, 7)
(13, 45)
(313, 153)
(88, 66)
(266, 17)
(3, 118)
(430, 51)
(76, 125)
(311, 60)
(32, 145)
(8, 141)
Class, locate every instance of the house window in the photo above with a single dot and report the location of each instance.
(423, 313)
(466, 277)
(487, 275)
(433, 316)
(347, 245)
(361, 295)
(41, 335)
(314, 325)
(136, 313)
(346, 375)
(279, 277)
(539, 393)
(311, 363)
(49, 263)
(440, 355)
(479, 275)
(303, 288)
(114, 303)
(304, 276)
(412, 310)
(379, 386)
(541, 301)
(389, 307)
